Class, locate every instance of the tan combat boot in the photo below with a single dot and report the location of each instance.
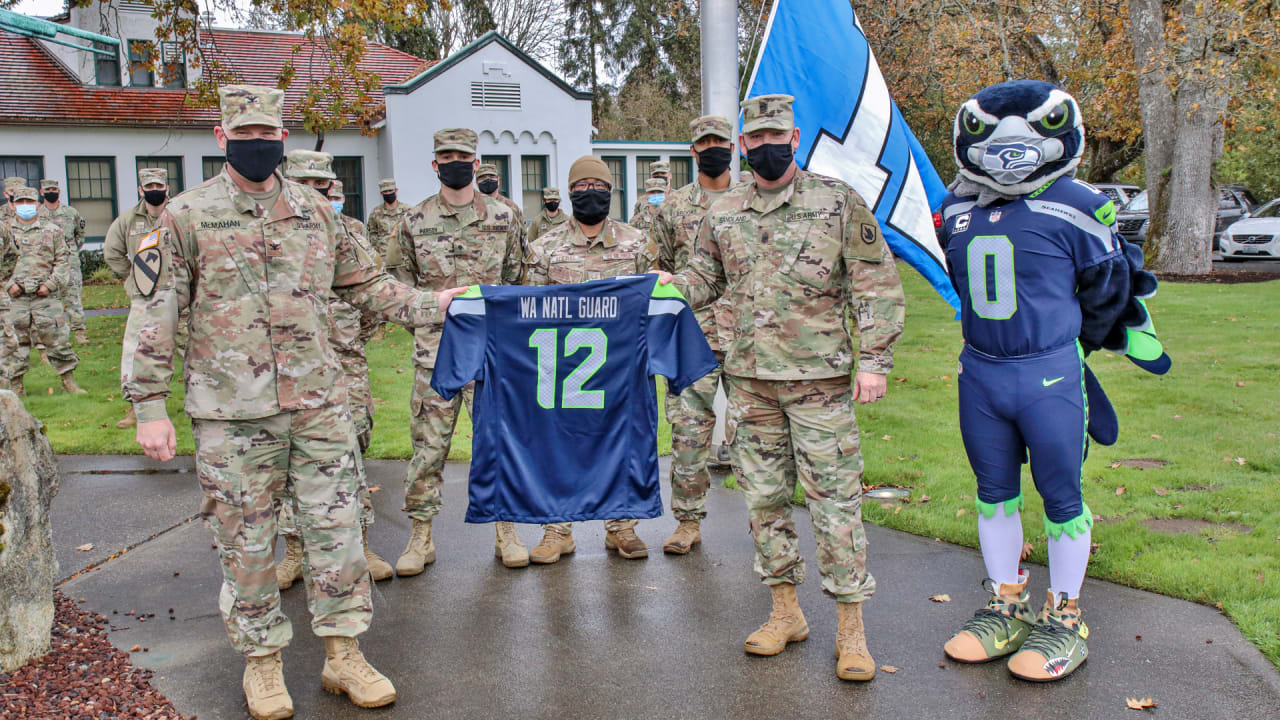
(290, 568)
(129, 420)
(80, 338)
(264, 688)
(688, 534)
(786, 623)
(419, 553)
(346, 671)
(853, 660)
(507, 546)
(554, 544)
(626, 543)
(379, 569)
(69, 384)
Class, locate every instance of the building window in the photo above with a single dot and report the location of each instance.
(503, 164)
(617, 168)
(173, 65)
(140, 74)
(30, 167)
(642, 172)
(106, 68)
(495, 95)
(350, 170)
(681, 172)
(533, 177)
(211, 165)
(171, 165)
(91, 188)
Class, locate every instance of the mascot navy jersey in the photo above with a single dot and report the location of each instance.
(566, 416)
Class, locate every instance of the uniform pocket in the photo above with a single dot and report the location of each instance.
(816, 258)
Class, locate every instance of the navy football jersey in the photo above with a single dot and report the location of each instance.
(1015, 264)
(566, 416)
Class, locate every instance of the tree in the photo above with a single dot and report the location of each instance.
(534, 26)
(590, 29)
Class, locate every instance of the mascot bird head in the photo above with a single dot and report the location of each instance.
(1016, 136)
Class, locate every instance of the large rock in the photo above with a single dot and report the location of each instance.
(28, 567)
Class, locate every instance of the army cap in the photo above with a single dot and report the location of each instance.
(48, 184)
(487, 170)
(768, 112)
(14, 182)
(25, 193)
(250, 105)
(460, 139)
(550, 193)
(661, 166)
(387, 185)
(300, 164)
(589, 167)
(655, 185)
(711, 125)
(153, 176)
(335, 190)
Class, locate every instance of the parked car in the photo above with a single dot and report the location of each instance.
(1234, 203)
(1255, 237)
(1119, 193)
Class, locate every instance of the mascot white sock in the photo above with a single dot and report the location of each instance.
(1068, 558)
(1001, 539)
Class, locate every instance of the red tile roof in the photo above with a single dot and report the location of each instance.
(36, 88)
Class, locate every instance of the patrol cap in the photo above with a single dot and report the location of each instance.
(243, 105)
(550, 193)
(660, 166)
(153, 176)
(589, 166)
(300, 164)
(716, 125)
(768, 112)
(48, 184)
(14, 182)
(335, 190)
(486, 170)
(655, 185)
(25, 193)
(387, 185)
(460, 139)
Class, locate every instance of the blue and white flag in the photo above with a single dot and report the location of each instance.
(850, 128)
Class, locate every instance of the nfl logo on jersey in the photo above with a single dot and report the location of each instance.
(994, 216)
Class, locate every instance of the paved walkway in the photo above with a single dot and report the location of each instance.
(595, 636)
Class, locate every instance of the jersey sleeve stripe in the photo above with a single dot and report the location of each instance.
(462, 305)
(666, 307)
(1079, 219)
(958, 208)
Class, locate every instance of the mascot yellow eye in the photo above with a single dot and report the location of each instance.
(1056, 118)
(972, 123)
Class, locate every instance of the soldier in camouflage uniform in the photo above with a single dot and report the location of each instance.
(692, 414)
(655, 191)
(793, 253)
(72, 224)
(254, 257)
(40, 272)
(121, 245)
(549, 217)
(8, 338)
(350, 328)
(487, 181)
(589, 247)
(10, 185)
(383, 226)
(661, 170)
(457, 237)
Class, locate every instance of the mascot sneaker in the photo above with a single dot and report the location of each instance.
(997, 630)
(1056, 646)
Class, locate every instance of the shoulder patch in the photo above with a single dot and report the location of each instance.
(868, 234)
(1107, 213)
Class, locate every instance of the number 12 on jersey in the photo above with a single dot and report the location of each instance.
(573, 396)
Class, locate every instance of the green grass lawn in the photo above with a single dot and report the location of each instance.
(1204, 527)
(104, 296)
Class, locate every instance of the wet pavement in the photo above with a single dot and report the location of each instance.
(596, 636)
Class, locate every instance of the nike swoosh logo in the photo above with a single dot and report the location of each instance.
(1047, 382)
(1001, 645)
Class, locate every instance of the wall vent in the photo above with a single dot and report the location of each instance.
(495, 95)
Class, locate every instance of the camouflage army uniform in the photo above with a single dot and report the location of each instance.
(565, 255)
(384, 230)
(6, 209)
(446, 247)
(73, 225)
(790, 264)
(8, 338)
(42, 259)
(263, 385)
(660, 170)
(545, 221)
(490, 170)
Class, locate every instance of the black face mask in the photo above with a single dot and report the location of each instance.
(389, 198)
(154, 198)
(590, 207)
(552, 206)
(457, 174)
(487, 186)
(325, 190)
(771, 160)
(51, 197)
(255, 159)
(713, 161)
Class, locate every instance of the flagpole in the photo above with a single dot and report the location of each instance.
(720, 62)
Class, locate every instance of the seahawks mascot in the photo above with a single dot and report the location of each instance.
(1043, 279)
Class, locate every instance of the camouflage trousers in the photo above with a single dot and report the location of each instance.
(244, 466)
(285, 522)
(43, 318)
(8, 342)
(72, 294)
(781, 432)
(692, 415)
(431, 424)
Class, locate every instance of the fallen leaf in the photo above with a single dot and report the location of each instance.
(1177, 417)
(1261, 578)
(50, 391)
(1027, 548)
(1138, 638)
(944, 377)
(399, 371)
(961, 511)
(940, 598)
(135, 648)
(1142, 704)
(1162, 491)
(887, 437)
(902, 379)
(1114, 465)
(375, 488)
(1120, 490)
(1156, 437)
(1239, 461)
(85, 547)
(925, 499)
(1239, 383)
(897, 510)
(889, 669)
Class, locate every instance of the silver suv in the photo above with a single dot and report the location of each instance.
(1234, 203)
